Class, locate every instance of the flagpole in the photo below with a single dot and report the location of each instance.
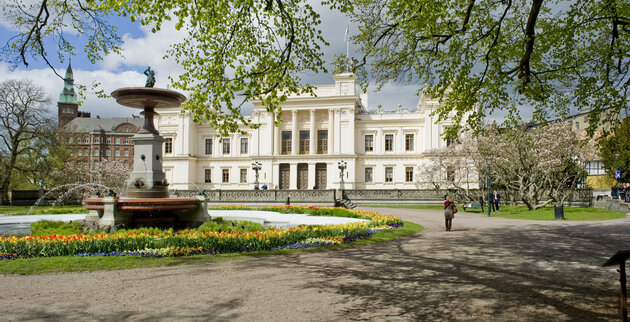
(346, 38)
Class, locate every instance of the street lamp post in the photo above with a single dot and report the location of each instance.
(256, 166)
(342, 165)
(489, 162)
(616, 177)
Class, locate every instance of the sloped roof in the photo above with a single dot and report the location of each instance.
(85, 125)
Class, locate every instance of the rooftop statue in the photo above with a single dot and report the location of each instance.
(150, 77)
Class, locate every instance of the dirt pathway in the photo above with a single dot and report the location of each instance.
(485, 269)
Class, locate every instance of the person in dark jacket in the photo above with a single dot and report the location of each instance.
(449, 212)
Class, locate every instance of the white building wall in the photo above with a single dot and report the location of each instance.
(337, 109)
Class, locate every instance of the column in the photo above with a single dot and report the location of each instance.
(294, 134)
(330, 130)
(312, 139)
(311, 176)
(275, 142)
(338, 132)
(293, 176)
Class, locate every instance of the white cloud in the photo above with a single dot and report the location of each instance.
(97, 106)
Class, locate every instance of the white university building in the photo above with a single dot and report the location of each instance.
(381, 149)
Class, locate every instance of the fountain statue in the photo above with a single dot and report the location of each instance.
(146, 201)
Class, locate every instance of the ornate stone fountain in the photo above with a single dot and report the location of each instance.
(146, 201)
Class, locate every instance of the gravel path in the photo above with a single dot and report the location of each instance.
(485, 269)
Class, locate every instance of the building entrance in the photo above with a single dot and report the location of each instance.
(320, 175)
(285, 175)
(302, 176)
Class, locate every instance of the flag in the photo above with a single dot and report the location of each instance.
(345, 37)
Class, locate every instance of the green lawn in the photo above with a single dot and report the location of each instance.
(547, 213)
(41, 210)
(42, 265)
(521, 212)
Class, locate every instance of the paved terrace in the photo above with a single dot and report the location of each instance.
(485, 269)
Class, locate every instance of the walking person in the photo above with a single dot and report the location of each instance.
(496, 197)
(449, 212)
(481, 203)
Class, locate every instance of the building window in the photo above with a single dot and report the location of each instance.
(117, 141)
(322, 141)
(207, 175)
(208, 146)
(70, 140)
(244, 143)
(126, 141)
(95, 164)
(85, 152)
(389, 142)
(108, 140)
(369, 174)
(449, 141)
(168, 145)
(408, 142)
(450, 173)
(369, 143)
(79, 152)
(243, 175)
(126, 152)
(86, 140)
(389, 174)
(108, 152)
(577, 125)
(96, 140)
(226, 175)
(286, 142)
(95, 152)
(116, 153)
(304, 142)
(595, 168)
(409, 174)
(226, 146)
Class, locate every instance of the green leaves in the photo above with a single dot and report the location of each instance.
(498, 55)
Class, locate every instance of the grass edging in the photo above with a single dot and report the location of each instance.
(62, 264)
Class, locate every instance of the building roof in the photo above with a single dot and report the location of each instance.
(68, 95)
(85, 125)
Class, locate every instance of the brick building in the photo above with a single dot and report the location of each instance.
(93, 140)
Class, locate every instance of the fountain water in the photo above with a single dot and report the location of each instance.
(146, 201)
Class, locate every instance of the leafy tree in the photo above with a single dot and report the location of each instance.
(500, 54)
(24, 126)
(234, 51)
(619, 143)
(487, 54)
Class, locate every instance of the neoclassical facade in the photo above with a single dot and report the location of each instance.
(381, 149)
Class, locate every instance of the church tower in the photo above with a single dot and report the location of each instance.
(67, 104)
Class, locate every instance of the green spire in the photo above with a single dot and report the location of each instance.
(67, 95)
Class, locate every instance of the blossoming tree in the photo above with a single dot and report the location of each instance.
(537, 165)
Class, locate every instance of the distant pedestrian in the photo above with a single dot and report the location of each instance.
(480, 203)
(496, 197)
(449, 212)
(264, 186)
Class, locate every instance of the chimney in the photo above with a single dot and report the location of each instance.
(399, 108)
(378, 108)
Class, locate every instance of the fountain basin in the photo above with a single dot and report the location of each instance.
(143, 97)
(113, 212)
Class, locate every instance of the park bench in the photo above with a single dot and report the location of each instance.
(472, 205)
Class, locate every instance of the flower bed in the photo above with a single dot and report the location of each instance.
(183, 243)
